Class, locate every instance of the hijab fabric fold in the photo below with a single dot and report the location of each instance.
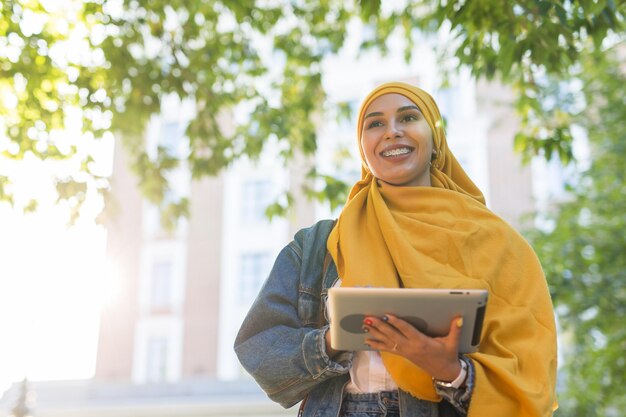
(443, 236)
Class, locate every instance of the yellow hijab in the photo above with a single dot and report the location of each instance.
(443, 236)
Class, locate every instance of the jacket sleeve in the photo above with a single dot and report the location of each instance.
(285, 356)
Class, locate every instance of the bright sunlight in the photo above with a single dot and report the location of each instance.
(51, 281)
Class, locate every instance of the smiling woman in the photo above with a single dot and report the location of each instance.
(414, 220)
(397, 142)
(50, 279)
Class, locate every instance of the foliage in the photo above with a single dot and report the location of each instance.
(114, 61)
(583, 255)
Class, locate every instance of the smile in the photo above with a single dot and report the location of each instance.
(396, 152)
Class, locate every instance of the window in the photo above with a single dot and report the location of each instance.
(257, 195)
(156, 360)
(254, 268)
(161, 285)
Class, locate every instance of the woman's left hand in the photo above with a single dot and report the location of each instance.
(438, 356)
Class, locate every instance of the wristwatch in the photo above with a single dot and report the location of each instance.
(459, 379)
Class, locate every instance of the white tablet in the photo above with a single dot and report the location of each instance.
(429, 310)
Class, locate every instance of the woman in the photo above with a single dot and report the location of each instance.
(414, 219)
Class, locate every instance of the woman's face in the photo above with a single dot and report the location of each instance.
(397, 141)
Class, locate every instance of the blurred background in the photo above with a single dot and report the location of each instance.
(156, 156)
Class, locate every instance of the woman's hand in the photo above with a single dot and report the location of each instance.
(329, 350)
(438, 356)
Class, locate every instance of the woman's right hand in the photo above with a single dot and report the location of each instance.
(436, 355)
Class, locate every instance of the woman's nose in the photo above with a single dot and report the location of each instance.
(392, 131)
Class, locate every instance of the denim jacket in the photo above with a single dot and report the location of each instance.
(281, 341)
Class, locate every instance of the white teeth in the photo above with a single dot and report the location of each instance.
(396, 152)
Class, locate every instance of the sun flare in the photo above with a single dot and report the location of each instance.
(50, 296)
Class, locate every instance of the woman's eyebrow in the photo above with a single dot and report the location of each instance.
(405, 108)
(372, 114)
(400, 110)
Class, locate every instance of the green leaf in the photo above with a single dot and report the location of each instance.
(280, 207)
(369, 8)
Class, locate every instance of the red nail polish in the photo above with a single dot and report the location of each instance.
(368, 322)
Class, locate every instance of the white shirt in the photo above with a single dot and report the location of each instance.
(368, 374)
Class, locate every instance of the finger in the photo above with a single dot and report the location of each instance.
(376, 324)
(375, 344)
(374, 332)
(382, 336)
(454, 335)
(382, 345)
(403, 327)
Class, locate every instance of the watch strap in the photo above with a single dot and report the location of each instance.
(458, 381)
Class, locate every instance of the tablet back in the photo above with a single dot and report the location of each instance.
(429, 310)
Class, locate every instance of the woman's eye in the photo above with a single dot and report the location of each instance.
(375, 123)
(409, 118)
